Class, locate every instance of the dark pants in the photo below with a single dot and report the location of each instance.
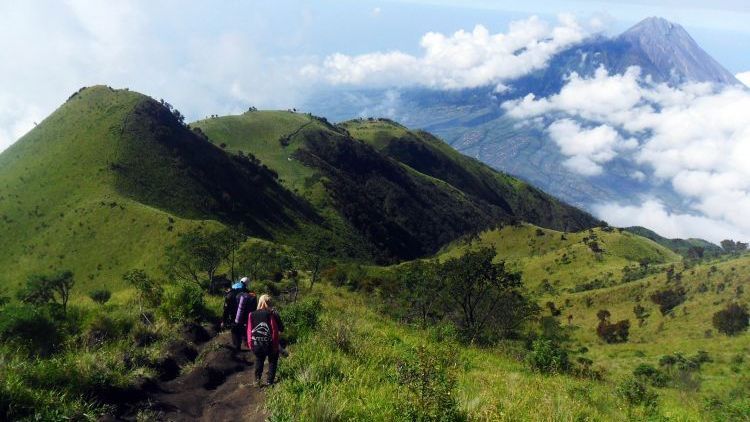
(273, 360)
(239, 332)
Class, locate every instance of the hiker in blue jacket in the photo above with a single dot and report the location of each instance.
(238, 303)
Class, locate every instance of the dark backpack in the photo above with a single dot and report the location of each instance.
(231, 301)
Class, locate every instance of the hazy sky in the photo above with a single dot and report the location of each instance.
(220, 57)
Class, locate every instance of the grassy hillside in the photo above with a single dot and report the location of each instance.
(429, 155)
(681, 246)
(352, 370)
(111, 177)
(553, 261)
(403, 208)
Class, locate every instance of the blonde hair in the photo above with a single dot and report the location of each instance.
(264, 302)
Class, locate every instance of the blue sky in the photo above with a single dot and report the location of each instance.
(217, 58)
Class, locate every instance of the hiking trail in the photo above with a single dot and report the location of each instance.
(215, 383)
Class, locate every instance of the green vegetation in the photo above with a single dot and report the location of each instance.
(127, 222)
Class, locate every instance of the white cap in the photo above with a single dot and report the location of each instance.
(243, 280)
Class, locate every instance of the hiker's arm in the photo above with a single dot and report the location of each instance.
(278, 321)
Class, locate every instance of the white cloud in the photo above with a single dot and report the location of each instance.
(653, 214)
(461, 60)
(696, 137)
(55, 48)
(743, 77)
(376, 11)
(587, 149)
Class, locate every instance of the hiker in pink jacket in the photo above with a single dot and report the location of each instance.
(263, 328)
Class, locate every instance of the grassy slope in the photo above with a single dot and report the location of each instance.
(563, 259)
(89, 187)
(681, 246)
(538, 257)
(428, 154)
(361, 192)
(324, 382)
(418, 207)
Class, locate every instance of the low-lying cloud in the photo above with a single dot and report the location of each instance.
(461, 60)
(696, 137)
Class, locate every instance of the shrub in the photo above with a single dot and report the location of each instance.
(650, 374)
(300, 318)
(103, 327)
(31, 328)
(100, 296)
(732, 320)
(183, 302)
(668, 299)
(143, 335)
(548, 357)
(428, 386)
(635, 393)
(612, 333)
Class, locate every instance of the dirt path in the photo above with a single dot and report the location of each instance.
(217, 387)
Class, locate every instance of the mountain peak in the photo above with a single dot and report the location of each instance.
(675, 56)
(654, 26)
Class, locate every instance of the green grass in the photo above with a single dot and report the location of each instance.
(323, 381)
(563, 259)
(110, 178)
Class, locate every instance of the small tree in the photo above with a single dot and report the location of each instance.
(641, 314)
(668, 299)
(422, 288)
(229, 241)
(261, 260)
(101, 296)
(732, 320)
(612, 333)
(148, 291)
(196, 257)
(488, 300)
(43, 289)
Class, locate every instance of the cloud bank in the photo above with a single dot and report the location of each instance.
(461, 60)
(51, 49)
(695, 137)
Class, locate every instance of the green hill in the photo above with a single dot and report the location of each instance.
(555, 262)
(403, 208)
(681, 246)
(111, 177)
(429, 155)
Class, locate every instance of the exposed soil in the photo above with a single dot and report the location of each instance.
(215, 383)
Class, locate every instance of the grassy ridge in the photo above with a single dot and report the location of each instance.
(427, 154)
(110, 178)
(565, 260)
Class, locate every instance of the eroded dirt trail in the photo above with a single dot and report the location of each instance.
(218, 386)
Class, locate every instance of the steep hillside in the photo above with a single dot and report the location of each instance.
(429, 155)
(406, 192)
(111, 177)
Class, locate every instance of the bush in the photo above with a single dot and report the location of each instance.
(635, 393)
(648, 373)
(300, 318)
(31, 328)
(668, 299)
(100, 296)
(103, 327)
(548, 357)
(428, 383)
(732, 320)
(183, 302)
